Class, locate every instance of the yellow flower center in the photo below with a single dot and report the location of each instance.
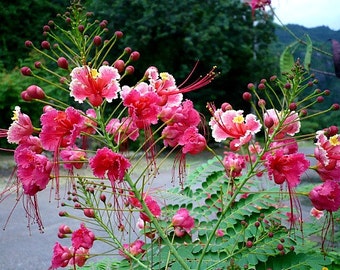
(334, 140)
(16, 113)
(164, 76)
(238, 119)
(94, 73)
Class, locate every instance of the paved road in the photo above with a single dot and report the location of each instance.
(21, 249)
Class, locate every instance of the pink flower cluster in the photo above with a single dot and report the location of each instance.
(82, 240)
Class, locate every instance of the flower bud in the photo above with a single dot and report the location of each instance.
(64, 229)
(273, 78)
(127, 50)
(320, 99)
(335, 106)
(134, 56)
(63, 80)
(226, 107)
(103, 197)
(250, 86)
(28, 43)
(261, 103)
(47, 108)
(62, 63)
(331, 131)
(119, 34)
(37, 64)
(303, 112)
(68, 20)
(63, 214)
(46, 28)
(45, 45)
(119, 65)
(129, 70)
(89, 212)
(50, 23)
(97, 40)
(26, 71)
(288, 86)
(327, 92)
(246, 96)
(268, 122)
(35, 92)
(81, 28)
(103, 24)
(89, 14)
(25, 96)
(292, 106)
(261, 86)
(263, 81)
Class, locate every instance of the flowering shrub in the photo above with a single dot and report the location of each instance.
(239, 210)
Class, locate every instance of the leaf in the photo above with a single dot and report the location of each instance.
(308, 55)
(287, 58)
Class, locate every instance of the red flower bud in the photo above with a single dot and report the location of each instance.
(25, 96)
(35, 92)
(119, 34)
(81, 28)
(269, 122)
(26, 71)
(250, 86)
(103, 24)
(50, 23)
(335, 106)
(127, 50)
(62, 63)
(28, 43)
(249, 244)
(261, 103)
(292, 106)
(263, 81)
(37, 64)
(46, 28)
(45, 45)
(97, 40)
(129, 70)
(332, 130)
(273, 78)
(288, 86)
(326, 92)
(68, 20)
(226, 107)
(246, 96)
(103, 198)
(89, 212)
(120, 65)
(261, 86)
(320, 99)
(134, 56)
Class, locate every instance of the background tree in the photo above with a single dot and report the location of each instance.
(173, 35)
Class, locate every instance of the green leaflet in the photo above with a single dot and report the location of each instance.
(287, 58)
(308, 55)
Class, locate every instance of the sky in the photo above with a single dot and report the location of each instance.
(309, 13)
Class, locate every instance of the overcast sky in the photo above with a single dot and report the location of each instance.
(309, 13)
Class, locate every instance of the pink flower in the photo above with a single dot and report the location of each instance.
(182, 222)
(192, 142)
(82, 237)
(326, 196)
(143, 104)
(153, 207)
(327, 150)
(21, 128)
(33, 170)
(80, 256)
(316, 213)
(61, 256)
(328, 172)
(134, 249)
(60, 128)
(32, 143)
(290, 126)
(289, 168)
(107, 161)
(233, 163)
(258, 4)
(94, 85)
(122, 129)
(287, 145)
(232, 124)
(73, 157)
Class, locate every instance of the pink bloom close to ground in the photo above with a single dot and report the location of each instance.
(182, 222)
(83, 237)
(134, 249)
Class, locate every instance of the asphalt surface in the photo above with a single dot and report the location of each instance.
(24, 249)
